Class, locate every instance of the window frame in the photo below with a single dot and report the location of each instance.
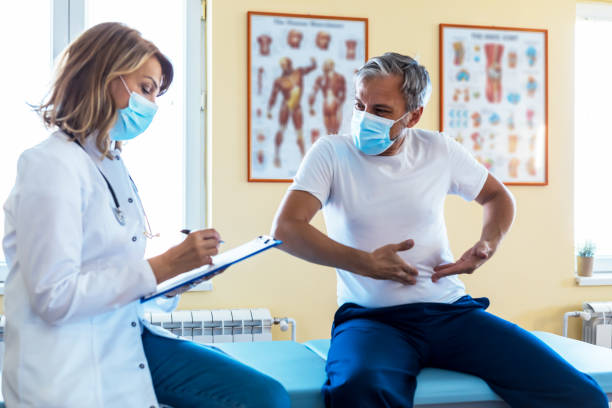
(602, 264)
(594, 11)
(68, 21)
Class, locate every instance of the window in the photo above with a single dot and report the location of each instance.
(593, 133)
(160, 185)
(25, 80)
(167, 161)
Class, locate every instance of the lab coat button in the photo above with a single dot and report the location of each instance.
(130, 200)
(133, 324)
(134, 238)
(141, 365)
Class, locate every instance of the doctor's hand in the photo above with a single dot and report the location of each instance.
(195, 251)
(468, 263)
(193, 284)
(385, 263)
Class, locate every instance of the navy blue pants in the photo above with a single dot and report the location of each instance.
(376, 354)
(190, 375)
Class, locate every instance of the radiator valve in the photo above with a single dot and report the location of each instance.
(284, 323)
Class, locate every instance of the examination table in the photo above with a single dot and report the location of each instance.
(301, 369)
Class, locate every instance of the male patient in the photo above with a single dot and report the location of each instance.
(402, 305)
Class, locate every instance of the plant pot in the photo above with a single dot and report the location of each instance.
(584, 265)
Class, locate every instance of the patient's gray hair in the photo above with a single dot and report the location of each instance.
(416, 86)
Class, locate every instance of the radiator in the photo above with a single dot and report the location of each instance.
(209, 326)
(596, 323)
(222, 326)
(212, 326)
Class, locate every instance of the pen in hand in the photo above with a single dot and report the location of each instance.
(187, 232)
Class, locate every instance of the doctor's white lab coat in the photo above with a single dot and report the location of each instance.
(73, 318)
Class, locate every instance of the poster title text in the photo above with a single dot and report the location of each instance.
(310, 23)
(494, 37)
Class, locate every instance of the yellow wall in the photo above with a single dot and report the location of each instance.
(530, 279)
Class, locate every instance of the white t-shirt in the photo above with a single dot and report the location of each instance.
(371, 201)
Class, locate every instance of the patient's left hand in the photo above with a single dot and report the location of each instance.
(189, 286)
(468, 263)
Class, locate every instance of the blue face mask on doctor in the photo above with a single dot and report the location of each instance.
(133, 119)
(371, 133)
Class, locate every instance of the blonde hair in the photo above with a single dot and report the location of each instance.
(80, 102)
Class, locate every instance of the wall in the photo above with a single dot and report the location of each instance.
(530, 279)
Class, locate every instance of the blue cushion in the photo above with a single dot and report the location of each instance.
(594, 360)
(301, 370)
(320, 347)
(434, 386)
(443, 386)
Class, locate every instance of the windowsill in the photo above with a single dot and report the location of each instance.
(202, 287)
(598, 279)
(3, 274)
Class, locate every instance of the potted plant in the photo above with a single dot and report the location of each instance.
(584, 260)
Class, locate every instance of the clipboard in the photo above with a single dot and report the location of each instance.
(220, 261)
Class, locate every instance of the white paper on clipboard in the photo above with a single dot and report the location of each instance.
(220, 261)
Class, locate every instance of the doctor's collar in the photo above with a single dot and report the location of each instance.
(91, 147)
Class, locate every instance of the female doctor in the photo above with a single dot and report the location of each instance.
(75, 240)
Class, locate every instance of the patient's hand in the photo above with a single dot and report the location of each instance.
(468, 263)
(387, 264)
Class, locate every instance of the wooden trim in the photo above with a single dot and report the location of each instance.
(441, 75)
(264, 13)
(441, 79)
(260, 13)
(248, 73)
(538, 30)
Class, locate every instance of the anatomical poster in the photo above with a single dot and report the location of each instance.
(493, 87)
(300, 86)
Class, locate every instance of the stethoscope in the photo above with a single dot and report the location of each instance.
(117, 211)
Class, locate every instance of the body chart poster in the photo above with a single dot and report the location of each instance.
(300, 86)
(494, 98)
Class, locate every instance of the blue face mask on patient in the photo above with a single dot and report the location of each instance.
(133, 119)
(371, 133)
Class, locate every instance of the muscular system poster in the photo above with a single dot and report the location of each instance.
(300, 86)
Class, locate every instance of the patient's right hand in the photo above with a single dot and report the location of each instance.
(385, 263)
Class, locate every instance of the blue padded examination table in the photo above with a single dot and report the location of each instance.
(301, 370)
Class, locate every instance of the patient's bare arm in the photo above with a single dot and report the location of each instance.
(499, 210)
(292, 226)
